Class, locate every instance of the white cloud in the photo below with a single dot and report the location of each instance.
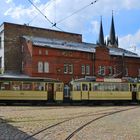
(57, 10)
(36, 1)
(18, 12)
(131, 42)
(95, 26)
(9, 1)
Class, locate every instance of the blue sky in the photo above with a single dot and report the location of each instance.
(85, 22)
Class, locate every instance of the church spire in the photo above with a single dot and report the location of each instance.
(112, 31)
(112, 40)
(101, 35)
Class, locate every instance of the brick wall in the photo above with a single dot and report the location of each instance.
(56, 59)
(12, 45)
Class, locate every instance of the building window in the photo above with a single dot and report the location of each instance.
(46, 52)
(70, 69)
(65, 68)
(46, 67)
(40, 51)
(101, 70)
(40, 67)
(87, 69)
(83, 69)
(110, 70)
(126, 71)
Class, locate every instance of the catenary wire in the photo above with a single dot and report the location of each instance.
(76, 12)
(39, 13)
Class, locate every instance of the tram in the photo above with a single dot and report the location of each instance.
(105, 90)
(33, 90)
(17, 89)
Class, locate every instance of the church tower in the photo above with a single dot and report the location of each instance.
(101, 41)
(112, 40)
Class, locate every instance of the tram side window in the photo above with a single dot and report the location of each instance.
(124, 87)
(84, 87)
(39, 86)
(59, 87)
(16, 85)
(4, 85)
(77, 87)
(27, 86)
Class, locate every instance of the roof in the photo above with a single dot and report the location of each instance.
(20, 77)
(35, 27)
(122, 52)
(84, 47)
(61, 44)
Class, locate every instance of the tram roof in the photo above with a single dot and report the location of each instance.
(26, 78)
(108, 80)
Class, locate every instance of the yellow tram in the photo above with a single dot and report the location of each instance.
(33, 90)
(104, 89)
(138, 90)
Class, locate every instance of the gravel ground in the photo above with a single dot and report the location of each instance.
(18, 123)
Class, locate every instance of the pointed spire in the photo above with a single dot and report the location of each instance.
(112, 40)
(112, 31)
(101, 34)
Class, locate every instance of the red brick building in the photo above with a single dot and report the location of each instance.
(46, 53)
(57, 58)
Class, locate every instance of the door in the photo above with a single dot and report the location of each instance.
(133, 88)
(50, 92)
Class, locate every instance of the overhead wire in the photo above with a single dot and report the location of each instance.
(76, 12)
(39, 12)
(53, 24)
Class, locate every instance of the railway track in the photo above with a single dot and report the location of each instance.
(91, 121)
(100, 114)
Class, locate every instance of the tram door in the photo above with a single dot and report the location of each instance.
(50, 92)
(66, 93)
(133, 88)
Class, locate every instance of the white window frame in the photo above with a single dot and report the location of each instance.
(46, 52)
(70, 68)
(65, 68)
(46, 67)
(88, 69)
(40, 52)
(40, 67)
(83, 70)
(110, 70)
(101, 70)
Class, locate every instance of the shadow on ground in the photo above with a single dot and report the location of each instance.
(9, 132)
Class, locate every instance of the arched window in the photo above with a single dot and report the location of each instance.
(40, 67)
(46, 67)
